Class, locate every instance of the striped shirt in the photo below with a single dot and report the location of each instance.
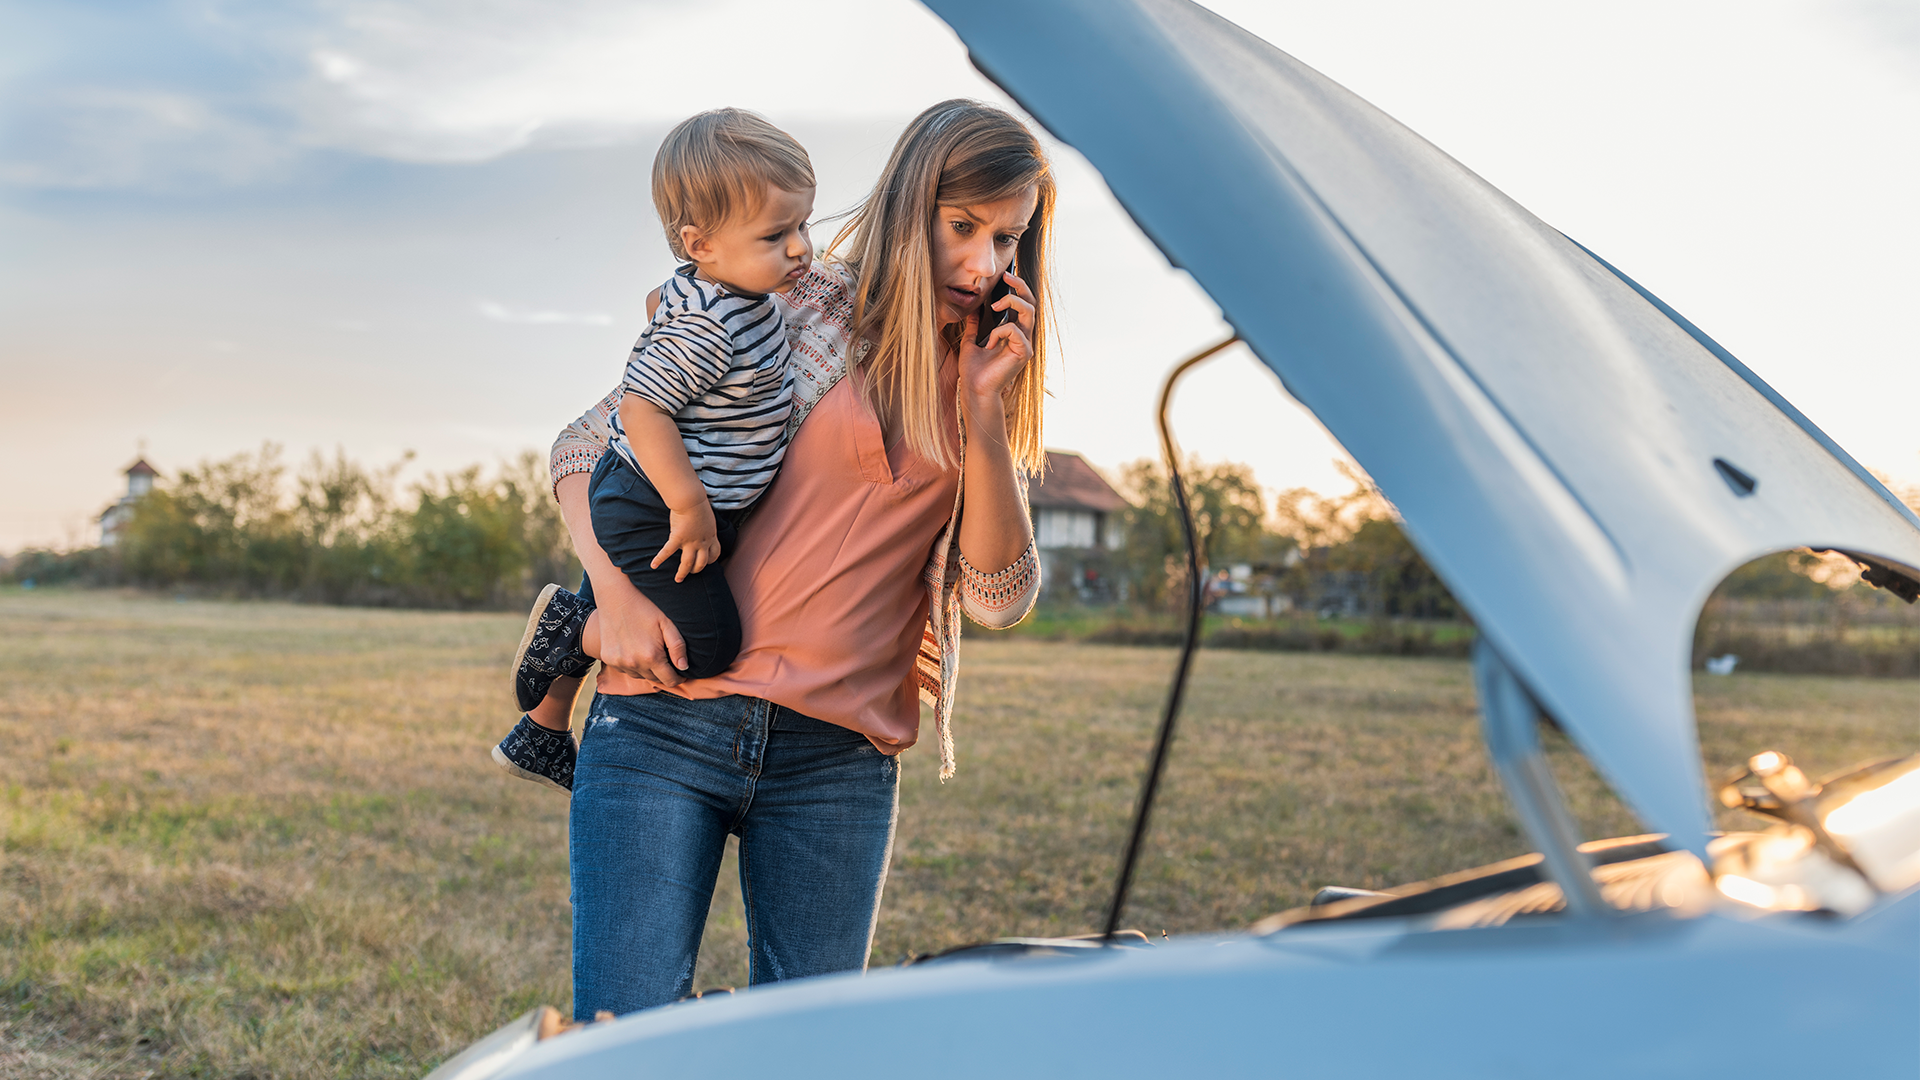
(716, 361)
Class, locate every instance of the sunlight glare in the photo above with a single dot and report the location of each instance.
(1876, 808)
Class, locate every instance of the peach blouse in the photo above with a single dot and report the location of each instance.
(832, 557)
(848, 576)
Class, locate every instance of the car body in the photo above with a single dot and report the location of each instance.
(1582, 466)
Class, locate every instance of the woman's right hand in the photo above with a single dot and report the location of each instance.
(635, 638)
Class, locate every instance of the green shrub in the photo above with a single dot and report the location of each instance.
(338, 532)
(35, 566)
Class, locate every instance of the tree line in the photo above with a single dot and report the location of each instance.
(1337, 554)
(333, 531)
(1311, 547)
(336, 531)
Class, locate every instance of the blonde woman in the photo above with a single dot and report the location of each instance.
(900, 505)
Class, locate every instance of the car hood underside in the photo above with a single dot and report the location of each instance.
(1579, 463)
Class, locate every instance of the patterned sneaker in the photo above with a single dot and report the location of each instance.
(542, 755)
(550, 649)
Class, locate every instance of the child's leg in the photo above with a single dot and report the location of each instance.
(555, 711)
(547, 674)
(630, 521)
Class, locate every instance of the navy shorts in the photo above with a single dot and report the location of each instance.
(630, 520)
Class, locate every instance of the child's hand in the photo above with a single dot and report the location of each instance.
(695, 536)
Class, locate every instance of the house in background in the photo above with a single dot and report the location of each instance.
(1076, 523)
(140, 477)
(1252, 590)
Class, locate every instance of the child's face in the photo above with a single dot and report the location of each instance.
(766, 251)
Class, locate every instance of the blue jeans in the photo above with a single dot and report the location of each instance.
(661, 782)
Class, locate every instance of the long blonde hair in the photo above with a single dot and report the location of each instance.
(957, 153)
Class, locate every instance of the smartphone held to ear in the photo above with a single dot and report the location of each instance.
(989, 318)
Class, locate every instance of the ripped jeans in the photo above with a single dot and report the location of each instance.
(661, 782)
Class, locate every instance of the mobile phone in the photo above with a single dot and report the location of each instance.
(990, 318)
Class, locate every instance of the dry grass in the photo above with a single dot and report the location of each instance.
(258, 839)
(264, 840)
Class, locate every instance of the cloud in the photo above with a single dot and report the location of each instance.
(447, 80)
(235, 93)
(119, 137)
(131, 95)
(1892, 26)
(499, 313)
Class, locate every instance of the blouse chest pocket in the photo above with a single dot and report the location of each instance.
(869, 440)
(847, 423)
(901, 473)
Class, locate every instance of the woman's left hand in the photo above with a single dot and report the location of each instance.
(988, 373)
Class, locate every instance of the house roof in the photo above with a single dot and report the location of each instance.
(141, 468)
(1069, 483)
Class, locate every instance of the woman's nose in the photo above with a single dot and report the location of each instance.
(980, 261)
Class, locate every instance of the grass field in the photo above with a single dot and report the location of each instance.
(265, 840)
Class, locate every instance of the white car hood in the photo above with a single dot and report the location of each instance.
(1645, 997)
(1547, 429)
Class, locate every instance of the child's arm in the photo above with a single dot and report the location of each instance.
(656, 444)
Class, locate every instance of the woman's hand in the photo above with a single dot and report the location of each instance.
(988, 373)
(635, 638)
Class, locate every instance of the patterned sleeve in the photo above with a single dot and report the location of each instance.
(999, 600)
(582, 443)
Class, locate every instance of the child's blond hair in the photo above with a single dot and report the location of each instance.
(715, 167)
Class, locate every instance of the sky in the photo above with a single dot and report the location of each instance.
(386, 226)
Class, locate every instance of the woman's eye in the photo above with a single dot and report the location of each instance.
(1007, 239)
(963, 227)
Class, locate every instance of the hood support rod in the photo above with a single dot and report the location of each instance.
(1178, 688)
(1510, 718)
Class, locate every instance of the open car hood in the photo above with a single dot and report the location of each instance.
(1548, 430)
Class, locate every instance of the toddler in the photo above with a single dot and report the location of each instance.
(702, 421)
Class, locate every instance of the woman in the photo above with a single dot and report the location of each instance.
(850, 577)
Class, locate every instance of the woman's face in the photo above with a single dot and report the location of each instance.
(972, 245)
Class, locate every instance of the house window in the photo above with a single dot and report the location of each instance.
(1067, 528)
